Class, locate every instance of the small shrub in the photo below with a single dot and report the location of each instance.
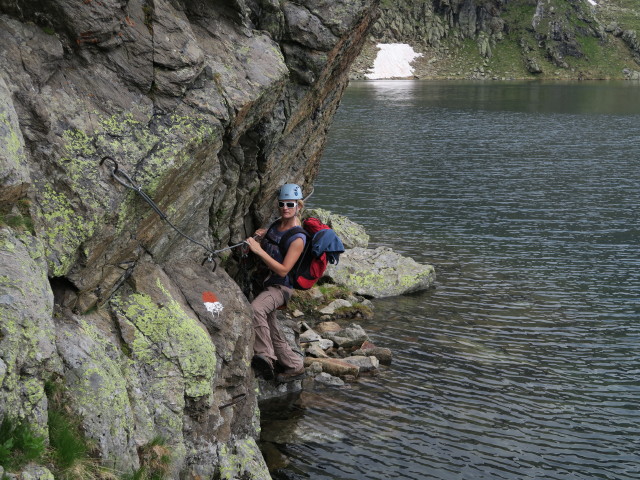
(332, 292)
(19, 445)
(155, 460)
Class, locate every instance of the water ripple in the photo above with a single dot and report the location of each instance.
(523, 362)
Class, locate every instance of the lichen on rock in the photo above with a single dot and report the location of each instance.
(380, 272)
(208, 109)
(167, 329)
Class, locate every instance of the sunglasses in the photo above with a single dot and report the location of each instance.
(287, 204)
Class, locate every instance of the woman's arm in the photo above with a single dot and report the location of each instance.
(290, 259)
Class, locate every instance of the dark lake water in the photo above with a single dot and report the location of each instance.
(524, 361)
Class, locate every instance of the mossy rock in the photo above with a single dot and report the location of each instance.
(351, 233)
(380, 273)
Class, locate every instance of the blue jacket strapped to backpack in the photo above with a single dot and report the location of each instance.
(327, 241)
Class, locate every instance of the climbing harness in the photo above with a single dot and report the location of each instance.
(125, 180)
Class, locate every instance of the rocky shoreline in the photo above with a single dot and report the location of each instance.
(322, 324)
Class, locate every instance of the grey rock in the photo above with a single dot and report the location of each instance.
(209, 113)
(333, 306)
(325, 343)
(314, 368)
(314, 350)
(350, 233)
(35, 472)
(532, 65)
(364, 363)
(324, 378)
(309, 336)
(307, 29)
(27, 329)
(14, 174)
(631, 74)
(384, 355)
(352, 335)
(380, 272)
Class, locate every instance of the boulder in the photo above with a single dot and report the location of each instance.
(351, 233)
(380, 272)
(325, 343)
(309, 336)
(329, 380)
(314, 350)
(324, 327)
(35, 472)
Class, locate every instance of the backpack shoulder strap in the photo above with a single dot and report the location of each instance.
(287, 235)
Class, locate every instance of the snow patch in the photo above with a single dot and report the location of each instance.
(593, 2)
(393, 61)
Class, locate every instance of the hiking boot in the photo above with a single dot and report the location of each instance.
(263, 366)
(290, 375)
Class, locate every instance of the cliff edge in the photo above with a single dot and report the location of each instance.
(209, 107)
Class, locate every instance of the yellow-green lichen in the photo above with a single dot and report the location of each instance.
(167, 330)
(364, 280)
(72, 206)
(99, 382)
(410, 280)
(65, 229)
(240, 459)
(12, 141)
(26, 330)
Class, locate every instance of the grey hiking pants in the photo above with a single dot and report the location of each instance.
(270, 341)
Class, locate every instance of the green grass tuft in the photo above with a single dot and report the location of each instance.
(68, 446)
(19, 445)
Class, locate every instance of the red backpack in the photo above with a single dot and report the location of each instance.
(322, 246)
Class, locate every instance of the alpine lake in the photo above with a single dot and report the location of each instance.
(523, 362)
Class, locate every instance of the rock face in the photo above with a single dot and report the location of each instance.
(207, 106)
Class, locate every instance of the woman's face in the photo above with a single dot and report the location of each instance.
(288, 208)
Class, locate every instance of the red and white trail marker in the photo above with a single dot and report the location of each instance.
(211, 303)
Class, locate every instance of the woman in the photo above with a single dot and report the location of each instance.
(270, 344)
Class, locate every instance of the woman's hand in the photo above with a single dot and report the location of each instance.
(260, 233)
(254, 245)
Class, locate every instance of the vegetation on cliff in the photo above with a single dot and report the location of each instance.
(508, 39)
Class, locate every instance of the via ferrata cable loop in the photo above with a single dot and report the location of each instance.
(125, 180)
(307, 197)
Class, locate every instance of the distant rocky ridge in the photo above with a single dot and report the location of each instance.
(505, 39)
(209, 107)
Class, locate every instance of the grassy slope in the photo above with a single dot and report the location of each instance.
(603, 60)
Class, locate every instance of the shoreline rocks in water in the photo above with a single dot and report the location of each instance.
(319, 322)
